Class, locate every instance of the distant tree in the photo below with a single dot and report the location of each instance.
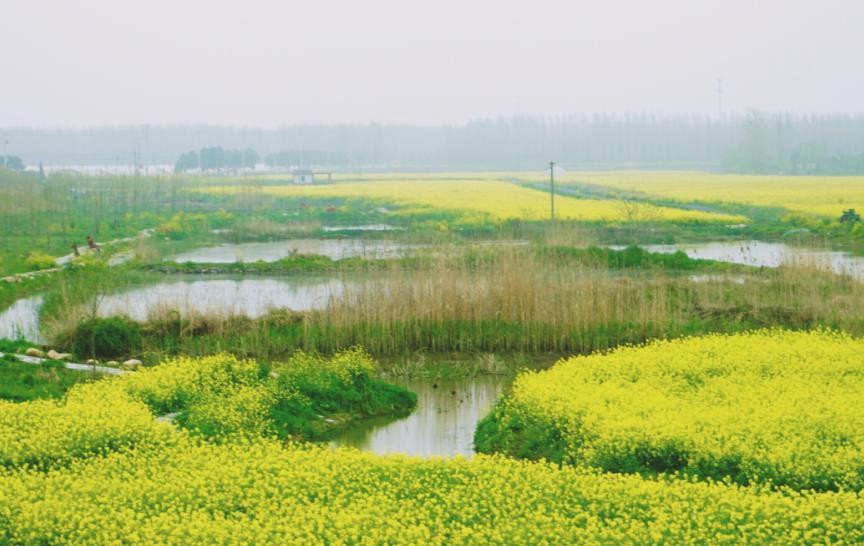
(215, 158)
(233, 159)
(13, 162)
(212, 158)
(850, 216)
(250, 158)
(305, 158)
(187, 161)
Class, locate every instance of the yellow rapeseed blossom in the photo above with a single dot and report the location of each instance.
(821, 195)
(483, 198)
(259, 491)
(96, 467)
(90, 421)
(770, 406)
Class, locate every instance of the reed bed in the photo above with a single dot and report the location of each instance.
(514, 299)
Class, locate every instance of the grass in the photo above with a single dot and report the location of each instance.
(522, 300)
(20, 381)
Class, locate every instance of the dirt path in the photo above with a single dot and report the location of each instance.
(69, 365)
(63, 260)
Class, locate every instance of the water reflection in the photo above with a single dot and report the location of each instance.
(21, 319)
(443, 424)
(762, 254)
(252, 297)
(277, 250)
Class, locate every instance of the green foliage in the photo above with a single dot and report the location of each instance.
(111, 337)
(20, 381)
(182, 224)
(305, 397)
(37, 260)
(632, 257)
(341, 386)
(14, 345)
(519, 436)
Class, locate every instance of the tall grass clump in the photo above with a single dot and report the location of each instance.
(519, 299)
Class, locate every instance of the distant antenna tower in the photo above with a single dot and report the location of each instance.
(719, 99)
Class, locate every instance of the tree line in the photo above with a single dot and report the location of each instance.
(753, 142)
(216, 158)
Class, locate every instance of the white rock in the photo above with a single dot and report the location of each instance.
(132, 364)
(54, 355)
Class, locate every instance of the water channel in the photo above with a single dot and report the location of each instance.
(443, 424)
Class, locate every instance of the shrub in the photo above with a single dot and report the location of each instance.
(38, 261)
(112, 337)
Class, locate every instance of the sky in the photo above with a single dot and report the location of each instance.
(266, 63)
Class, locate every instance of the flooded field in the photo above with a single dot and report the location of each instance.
(443, 424)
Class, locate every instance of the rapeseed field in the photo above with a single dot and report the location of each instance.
(478, 199)
(770, 407)
(825, 196)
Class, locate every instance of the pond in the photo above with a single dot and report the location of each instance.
(762, 254)
(252, 297)
(220, 295)
(365, 227)
(332, 248)
(277, 250)
(21, 319)
(443, 423)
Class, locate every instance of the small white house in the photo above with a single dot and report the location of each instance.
(303, 176)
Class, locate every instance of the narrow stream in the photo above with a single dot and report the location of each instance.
(443, 424)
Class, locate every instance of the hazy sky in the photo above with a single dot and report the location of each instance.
(272, 62)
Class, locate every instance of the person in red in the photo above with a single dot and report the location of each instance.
(91, 243)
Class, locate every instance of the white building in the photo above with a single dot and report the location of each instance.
(303, 176)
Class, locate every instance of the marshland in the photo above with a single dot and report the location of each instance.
(391, 272)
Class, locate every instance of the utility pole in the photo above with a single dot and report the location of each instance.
(552, 190)
(719, 99)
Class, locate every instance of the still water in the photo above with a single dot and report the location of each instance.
(273, 251)
(252, 297)
(443, 423)
(21, 319)
(762, 254)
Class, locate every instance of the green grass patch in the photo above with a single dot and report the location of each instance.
(21, 381)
